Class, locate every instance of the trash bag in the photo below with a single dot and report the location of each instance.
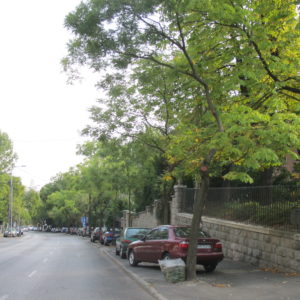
(173, 269)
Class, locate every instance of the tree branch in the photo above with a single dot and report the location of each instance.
(290, 96)
(291, 89)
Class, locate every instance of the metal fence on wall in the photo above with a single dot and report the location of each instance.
(271, 206)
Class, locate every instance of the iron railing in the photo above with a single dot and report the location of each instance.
(270, 206)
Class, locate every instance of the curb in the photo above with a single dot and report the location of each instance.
(144, 284)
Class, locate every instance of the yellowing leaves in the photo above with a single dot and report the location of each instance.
(241, 176)
(167, 178)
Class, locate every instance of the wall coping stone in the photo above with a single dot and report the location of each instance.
(253, 228)
(185, 215)
(248, 227)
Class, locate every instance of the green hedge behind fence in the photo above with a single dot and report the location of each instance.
(269, 206)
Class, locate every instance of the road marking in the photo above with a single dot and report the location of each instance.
(4, 297)
(32, 273)
(45, 260)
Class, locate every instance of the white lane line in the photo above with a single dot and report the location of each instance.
(45, 260)
(4, 297)
(32, 273)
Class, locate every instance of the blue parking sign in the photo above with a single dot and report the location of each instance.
(83, 221)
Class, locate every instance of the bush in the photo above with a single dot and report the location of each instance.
(277, 213)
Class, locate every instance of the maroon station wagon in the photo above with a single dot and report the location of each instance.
(169, 241)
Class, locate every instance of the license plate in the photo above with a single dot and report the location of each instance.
(204, 246)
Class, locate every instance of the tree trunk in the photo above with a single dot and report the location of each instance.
(101, 223)
(199, 201)
(90, 223)
(166, 206)
(129, 208)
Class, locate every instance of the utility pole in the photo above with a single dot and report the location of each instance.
(11, 196)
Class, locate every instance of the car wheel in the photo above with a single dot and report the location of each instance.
(132, 260)
(209, 268)
(166, 256)
(122, 253)
(117, 251)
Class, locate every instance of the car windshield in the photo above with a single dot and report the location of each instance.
(136, 232)
(184, 232)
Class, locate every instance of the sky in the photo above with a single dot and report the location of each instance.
(40, 112)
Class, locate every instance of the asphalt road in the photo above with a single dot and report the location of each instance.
(51, 266)
(231, 280)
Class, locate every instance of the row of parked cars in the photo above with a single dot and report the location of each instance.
(163, 242)
(107, 237)
(13, 232)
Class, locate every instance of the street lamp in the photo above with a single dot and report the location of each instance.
(11, 196)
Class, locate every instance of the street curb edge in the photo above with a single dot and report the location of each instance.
(144, 284)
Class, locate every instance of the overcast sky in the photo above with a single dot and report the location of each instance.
(41, 113)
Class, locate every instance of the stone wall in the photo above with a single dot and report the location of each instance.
(147, 218)
(257, 245)
(260, 246)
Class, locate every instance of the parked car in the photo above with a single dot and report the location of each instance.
(127, 236)
(73, 230)
(80, 231)
(84, 231)
(109, 237)
(19, 231)
(96, 234)
(10, 232)
(169, 241)
(65, 229)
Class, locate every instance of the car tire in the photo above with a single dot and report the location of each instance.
(209, 268)
(122, 253)
(131, 259)
(166, 255)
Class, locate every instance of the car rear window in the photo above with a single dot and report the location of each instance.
(136, 232)
(184, 232)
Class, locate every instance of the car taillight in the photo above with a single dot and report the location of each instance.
(184, 245)
(126, 241)
(217, 247)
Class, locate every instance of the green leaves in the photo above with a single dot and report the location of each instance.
(7, 156)
(204, 77)
(210, 85)
(240, 176)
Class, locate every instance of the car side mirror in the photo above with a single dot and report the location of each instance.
(143, 238)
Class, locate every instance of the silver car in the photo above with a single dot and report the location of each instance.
(11, 232)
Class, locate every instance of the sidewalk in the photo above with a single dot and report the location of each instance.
(231, 280)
